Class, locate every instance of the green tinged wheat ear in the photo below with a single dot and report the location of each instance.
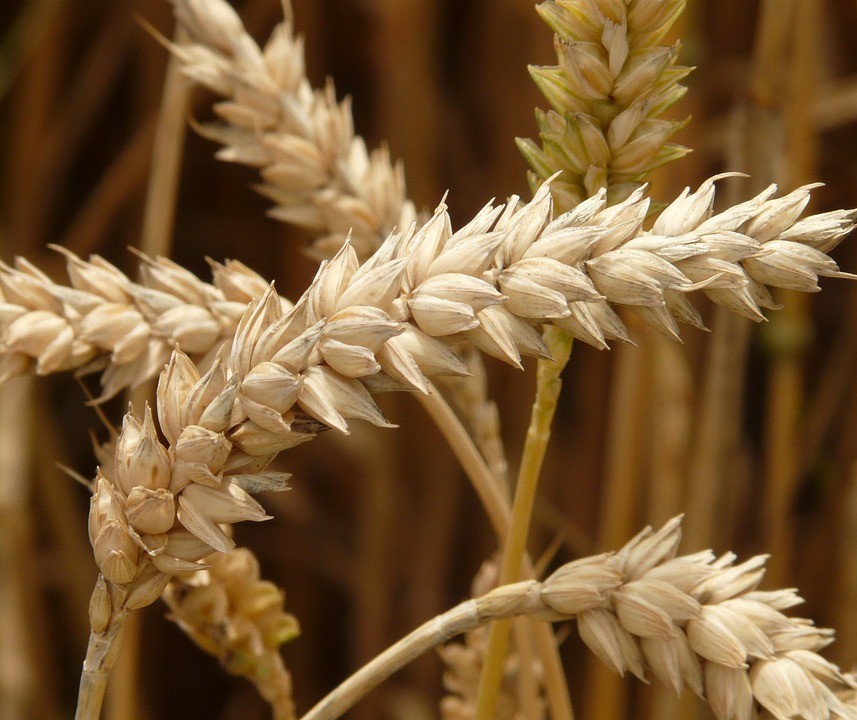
(612, 81)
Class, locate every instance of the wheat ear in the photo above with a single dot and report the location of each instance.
(612, 81)
(318, 172)
(695, 622)
(513, 265)
(229, 612)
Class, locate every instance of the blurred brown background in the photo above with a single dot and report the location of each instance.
(750, 431)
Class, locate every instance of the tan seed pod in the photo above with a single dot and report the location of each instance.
(711, 639)
(258, 442)
(678, 605)
(198, 444)
(174, 387)
(574, 590)
(150, 511)
(33, 332)
(641, 617)
(728, 692)
(192, 327)
(146, 588)
(100, 606)
(785, 689)
(613, 645)
(203, 392)
(148, 464)
(352, 361)
(367, 326)
(116, 552)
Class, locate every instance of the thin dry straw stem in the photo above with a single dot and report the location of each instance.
(789, 331)
(101, 656)
(716, 437)
(833, 383)
(491, 494)
(411, 91)
(377, 511)
(496, 505)
(528, 691)
(74, 112)
(846, 625)
(24, 38)
(33, 112)
(460, 619)
(117, 185)
(668, 421)
(17, 669)
(669, 429)
(165, 171)
(548, 386)
(836, 104)
(439, 518)
(123, 699)
(59, 505)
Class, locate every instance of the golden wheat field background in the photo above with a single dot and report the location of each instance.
(751, 431)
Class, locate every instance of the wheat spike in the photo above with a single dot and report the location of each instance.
(696, 622)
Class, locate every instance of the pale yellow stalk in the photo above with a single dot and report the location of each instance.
(548, 386)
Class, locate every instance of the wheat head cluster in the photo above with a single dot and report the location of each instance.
(405, 300)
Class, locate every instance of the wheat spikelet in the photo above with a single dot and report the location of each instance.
(104, 320)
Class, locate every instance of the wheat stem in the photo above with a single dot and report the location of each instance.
(497, 507)
(101, 654)
(548, 386)
(460, 619)
(490, 493)
(165, 173)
